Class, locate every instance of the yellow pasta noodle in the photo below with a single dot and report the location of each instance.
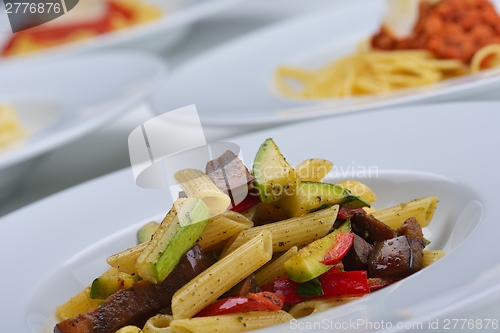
(369, 210)
(360, 189)
(222, 227)
(222, 276)
(274, 269)
(158, 324)
(422, 209)
(367, 72)
(483, 53)
(431, 256)
(297, 231)
(233, 323)
(313, 169)
(196, 184)
(125, 260)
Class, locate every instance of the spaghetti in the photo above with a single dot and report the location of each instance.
(445, 43)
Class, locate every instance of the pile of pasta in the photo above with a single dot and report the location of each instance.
(448, 40)
(367, 72)
(119, 14)
(244, 249)
(11, 129)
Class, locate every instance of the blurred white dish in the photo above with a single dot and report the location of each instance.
(232, 84)
(155, 36)
(435, 149)
(62, 101)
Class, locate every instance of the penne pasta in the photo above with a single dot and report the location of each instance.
(369, 210)
(158, 324)
(313, 170)
(222, 227)
(222, 276)
(234, 323)
(422, 209)
(297, 231)
(302, 265)
(76, 305)
(431, 256)
(196, 184)
(317, 305)
(274, 269)
(125, 261)
(360, 189)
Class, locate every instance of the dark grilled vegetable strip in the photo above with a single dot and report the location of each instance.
(228, 172)
(411, 228)
(358, 255)
(370, 228)
(242, 289)
(135, 305)
(396, 257)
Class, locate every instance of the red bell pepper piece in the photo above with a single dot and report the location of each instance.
(343, 242)
(267, 287)
(263, 301)
(287, 289)
(352, 283)
(333, 283)
(347, 213)
(250, 200)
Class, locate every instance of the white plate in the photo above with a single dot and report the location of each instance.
(156, 36)
(232, 84)
(55, 247)
(62, 101)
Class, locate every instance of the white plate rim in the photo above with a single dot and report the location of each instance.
(62, 137)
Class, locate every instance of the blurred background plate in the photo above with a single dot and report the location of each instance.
(62, 101)
(157, 35)
(232, 84)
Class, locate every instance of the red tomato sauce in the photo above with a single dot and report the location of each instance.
(450, 29)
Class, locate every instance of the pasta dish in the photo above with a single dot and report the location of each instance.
(449, 38)
(103, 17)
(243, 250)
